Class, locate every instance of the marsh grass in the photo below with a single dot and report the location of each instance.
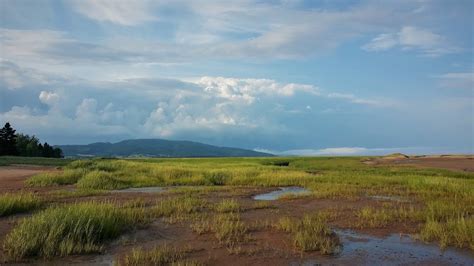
(160, 255)
(229, 229)
(371, 217)
(310, 234)
(228, 205)
(13, 203)
(458, 232)
(66, 177)
(70, 229)
(443, 195)
(262, 205)
(8, 160)
(100, 179)
(62, 194)
(179, 208)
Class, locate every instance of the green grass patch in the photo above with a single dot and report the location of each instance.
(71, 229)
(227, 205)
(160, 255)
(66, 177)
(8, 160)
(229, 229)
(311, 234)
(99, 179)
(179, 208)
(13, 203)
(458, 232)
(439, 195)
(371, 217)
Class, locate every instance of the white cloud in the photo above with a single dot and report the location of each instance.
(328, 151)
(15, 77)
(248, 90)
(49, 98)
(412, 38)
(87, 109)
(122, 12)
(361, 151)
(354, 99)
(382, 42)
(463, 80)
(167, 108)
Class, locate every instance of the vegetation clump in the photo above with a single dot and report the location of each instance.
(66, 177)
(229, 229)
(160, 255)
(71, 229)
(277, 163)
(311, 234)
(216, 178)
(228, 205)
(17, 203)
(101, 180)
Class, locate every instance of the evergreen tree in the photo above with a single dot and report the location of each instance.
(7, 140)
(58, 153)
(25, 145)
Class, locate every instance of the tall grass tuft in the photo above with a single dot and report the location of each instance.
(101, 180)
(229, 229)
(458, 232)
(68, 176)
(228, 205)
(311, 234)
(17, 203)
(160, 255)
(71, 229)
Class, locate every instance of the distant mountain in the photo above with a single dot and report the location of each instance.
(156, 148)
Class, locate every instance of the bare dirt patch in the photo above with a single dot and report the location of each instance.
(12, 177)
(455, 163)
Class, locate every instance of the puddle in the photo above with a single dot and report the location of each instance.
(274, 195)
(389, 198)
(361, 249)
(141, 190)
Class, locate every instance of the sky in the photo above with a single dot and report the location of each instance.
(322, 77)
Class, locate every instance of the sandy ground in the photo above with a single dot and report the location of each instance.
(455, 163)
(266, 246)
(12, 177)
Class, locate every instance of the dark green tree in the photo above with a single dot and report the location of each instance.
(7, 140)
(47, 150)
(58, 153)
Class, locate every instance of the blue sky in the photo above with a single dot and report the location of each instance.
(292, 77)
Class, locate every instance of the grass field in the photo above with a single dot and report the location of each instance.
(211, 197)
(7, 160)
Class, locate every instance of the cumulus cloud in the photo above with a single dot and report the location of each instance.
(412, 38)
(207, 106)
(128, 13)
(49, 98)
(247, 90)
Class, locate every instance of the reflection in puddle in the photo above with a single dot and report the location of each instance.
(394, 250)
(274, 195)
(141, 189)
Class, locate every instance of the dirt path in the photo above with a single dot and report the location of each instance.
(12, 177)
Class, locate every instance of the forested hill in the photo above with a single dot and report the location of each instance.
(157, 148)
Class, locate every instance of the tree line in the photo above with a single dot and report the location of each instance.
(20, 144)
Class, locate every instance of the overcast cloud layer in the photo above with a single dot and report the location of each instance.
(291, 77)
